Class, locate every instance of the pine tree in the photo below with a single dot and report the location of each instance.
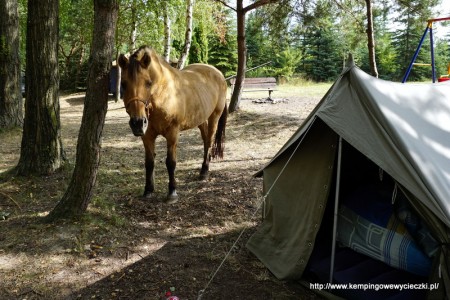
(80, 190)
(41, 150)
(322, 58)
(222, 45)
(199, 48)
(11, 112)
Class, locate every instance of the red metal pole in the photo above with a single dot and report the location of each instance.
(439, 19)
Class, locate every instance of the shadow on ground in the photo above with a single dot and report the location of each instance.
(187, 266)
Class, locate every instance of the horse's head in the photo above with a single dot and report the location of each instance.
(137, 84)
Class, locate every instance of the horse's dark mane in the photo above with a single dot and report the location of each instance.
(134, 66)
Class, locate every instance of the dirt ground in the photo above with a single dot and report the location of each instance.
(130, 248)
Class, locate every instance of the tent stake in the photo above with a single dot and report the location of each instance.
(336, 207)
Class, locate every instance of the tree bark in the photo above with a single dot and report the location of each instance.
(167, 32)
(118, 81)
(42, 149)
(188, 34)
(11, 102)
(242, 58)
(371, 39)
(79, 193)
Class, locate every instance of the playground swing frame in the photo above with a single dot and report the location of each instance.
(433, 68)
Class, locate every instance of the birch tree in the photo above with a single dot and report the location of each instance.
(134, 25)
(167, 32)
(188, 34)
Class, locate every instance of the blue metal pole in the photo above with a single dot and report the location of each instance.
(415, 56)
(433, 69)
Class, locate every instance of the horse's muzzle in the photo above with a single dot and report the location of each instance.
(138, 125)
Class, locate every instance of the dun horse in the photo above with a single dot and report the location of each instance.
(162, 100)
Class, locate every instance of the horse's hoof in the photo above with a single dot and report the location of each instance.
(147, 195)
(172, 198)
(204, 176)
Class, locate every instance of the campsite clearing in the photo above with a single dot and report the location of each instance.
(130, 248)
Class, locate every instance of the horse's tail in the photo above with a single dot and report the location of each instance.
(219, 140)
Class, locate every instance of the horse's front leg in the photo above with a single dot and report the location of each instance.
(171, 163)
(149, 145)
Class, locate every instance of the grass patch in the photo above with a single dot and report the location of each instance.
(289, 90)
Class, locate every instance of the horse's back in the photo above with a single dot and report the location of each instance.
(205, 72)
(207, 83)
(203, 69)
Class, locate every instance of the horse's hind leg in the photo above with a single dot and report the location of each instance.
(208, 130)
(205, 165)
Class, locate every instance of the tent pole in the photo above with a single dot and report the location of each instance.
(336, 207)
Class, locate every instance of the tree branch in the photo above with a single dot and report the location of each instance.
(350, 13)
(259, 3)
(224, 3)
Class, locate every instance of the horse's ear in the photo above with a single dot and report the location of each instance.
(145, 60)
(123, 61)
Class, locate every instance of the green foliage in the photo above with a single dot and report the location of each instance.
(306, 38)
(199, 48)
(286, 63)
(268, 41)
(74, 45)
(223, 44)
(321, 60)
(259, 47)
(442, 56)
(222, 55)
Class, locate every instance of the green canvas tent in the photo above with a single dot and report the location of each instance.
(365, 132)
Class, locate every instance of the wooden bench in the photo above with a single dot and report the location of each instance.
(258, 84)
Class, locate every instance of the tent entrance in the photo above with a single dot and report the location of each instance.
(368, 199)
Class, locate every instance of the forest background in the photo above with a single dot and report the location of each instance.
(303, 39)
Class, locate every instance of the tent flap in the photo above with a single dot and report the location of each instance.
(286, 239)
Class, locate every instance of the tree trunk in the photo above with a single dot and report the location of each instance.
(371, 39)
(242, 58)
(133, 35)
(188, 34)
(78, 80)
(241, 11)
(11, 103)
(79, 193)
(42, 150)
(118, 82)
(167, 31)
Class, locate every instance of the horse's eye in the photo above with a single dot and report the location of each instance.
(148, 84)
